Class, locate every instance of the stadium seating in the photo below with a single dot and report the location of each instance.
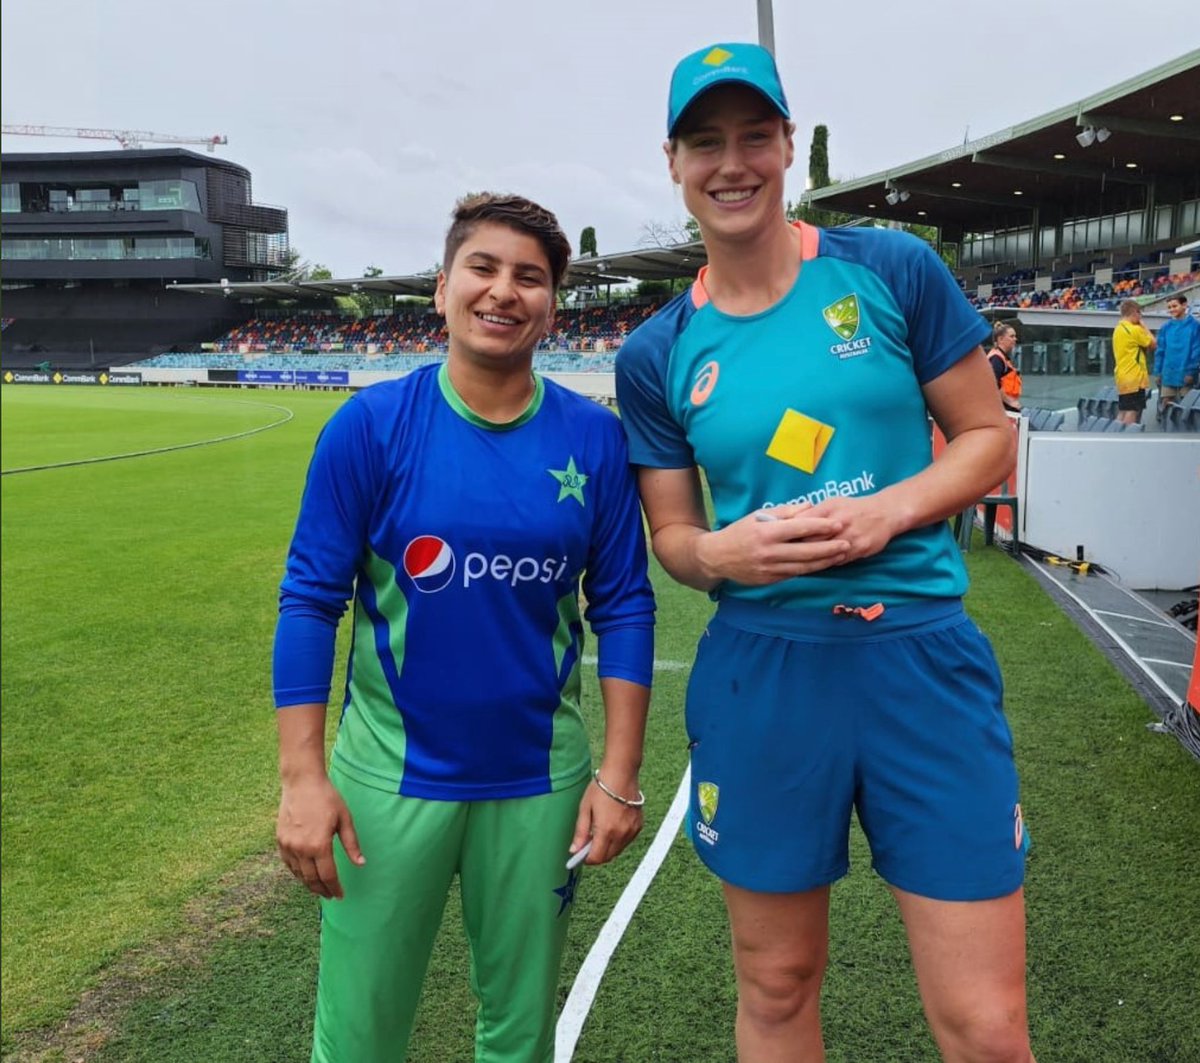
(417, 330)
(1103, 403)
(1042, 420)
(964, 521)
(1184, 415)
(1108, 425)
(1075, 288)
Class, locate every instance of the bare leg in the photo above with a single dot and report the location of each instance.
(780, 948)
(970, 962)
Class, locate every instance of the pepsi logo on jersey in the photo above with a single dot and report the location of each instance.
(430, 563)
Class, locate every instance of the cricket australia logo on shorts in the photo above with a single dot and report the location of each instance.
(844, 318)
(707, 795)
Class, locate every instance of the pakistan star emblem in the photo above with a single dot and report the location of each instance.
(708, 793)
(570, 482)
(842, 316)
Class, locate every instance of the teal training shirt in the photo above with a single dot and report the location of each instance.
(816, 396)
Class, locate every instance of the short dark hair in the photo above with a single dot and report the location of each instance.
(1177, 299)
(517, 213)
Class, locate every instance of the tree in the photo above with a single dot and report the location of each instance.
(818, 158)
(587, 241)
(667, 234)
(365, 303)
(296, 267)
(818, 177)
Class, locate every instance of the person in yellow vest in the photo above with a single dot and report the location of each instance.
(1131, 343)
(1008, 379)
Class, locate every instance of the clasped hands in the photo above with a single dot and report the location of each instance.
(775, 544)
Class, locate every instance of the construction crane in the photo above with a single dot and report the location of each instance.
(127, 138)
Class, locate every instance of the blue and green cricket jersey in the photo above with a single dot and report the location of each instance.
(818, 395)
(464, 544)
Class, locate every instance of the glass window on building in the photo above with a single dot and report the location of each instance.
(1189, 217)
(92, 199)
(11, 197)
(106, 249)
(169, 195)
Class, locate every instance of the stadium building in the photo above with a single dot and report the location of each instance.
(92, 239)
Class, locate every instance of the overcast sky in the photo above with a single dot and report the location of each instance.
(367, 118)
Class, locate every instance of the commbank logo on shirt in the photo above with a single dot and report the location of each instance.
(800, 441)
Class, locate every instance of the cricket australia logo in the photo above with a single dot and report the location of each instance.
(707, 795)
(844, 318)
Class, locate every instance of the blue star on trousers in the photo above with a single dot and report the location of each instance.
(567, 890)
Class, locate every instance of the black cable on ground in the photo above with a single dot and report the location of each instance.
(1047, 558)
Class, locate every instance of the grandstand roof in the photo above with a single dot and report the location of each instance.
(643, 264)
(414, 284)
(997, 181)
(647, 263)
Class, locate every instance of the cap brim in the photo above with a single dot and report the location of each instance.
(724, 83)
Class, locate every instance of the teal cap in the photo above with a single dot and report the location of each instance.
(724, 64)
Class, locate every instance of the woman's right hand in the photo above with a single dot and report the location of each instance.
(311, 812)
(772, 545)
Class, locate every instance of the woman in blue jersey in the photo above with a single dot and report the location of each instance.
(461, 507)
(839, 671)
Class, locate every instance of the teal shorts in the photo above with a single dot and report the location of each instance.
(796, 719)
(517, 896)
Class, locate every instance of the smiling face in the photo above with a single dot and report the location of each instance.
(1177, 308)
(497, 296)
(729, 158)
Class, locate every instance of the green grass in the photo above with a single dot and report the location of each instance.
(43, 426)
(139, 792)
(138, 740)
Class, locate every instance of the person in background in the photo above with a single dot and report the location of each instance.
(840, 670)
(1131, 343)
(1177, 357)
(461, 507)
(1008, 378)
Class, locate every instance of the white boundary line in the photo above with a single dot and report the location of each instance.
(1129, 651)
(659, 666)
(1135, 619)
(167, 449)
(587, 981)
(1174, 664)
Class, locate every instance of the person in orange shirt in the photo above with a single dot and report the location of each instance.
(1008, 379)
(1131, 343)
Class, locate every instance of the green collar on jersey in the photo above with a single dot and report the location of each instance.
(467, 414)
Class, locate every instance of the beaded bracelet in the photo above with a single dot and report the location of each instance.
(635, 803)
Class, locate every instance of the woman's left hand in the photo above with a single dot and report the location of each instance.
(869, 523)
(609, 824)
